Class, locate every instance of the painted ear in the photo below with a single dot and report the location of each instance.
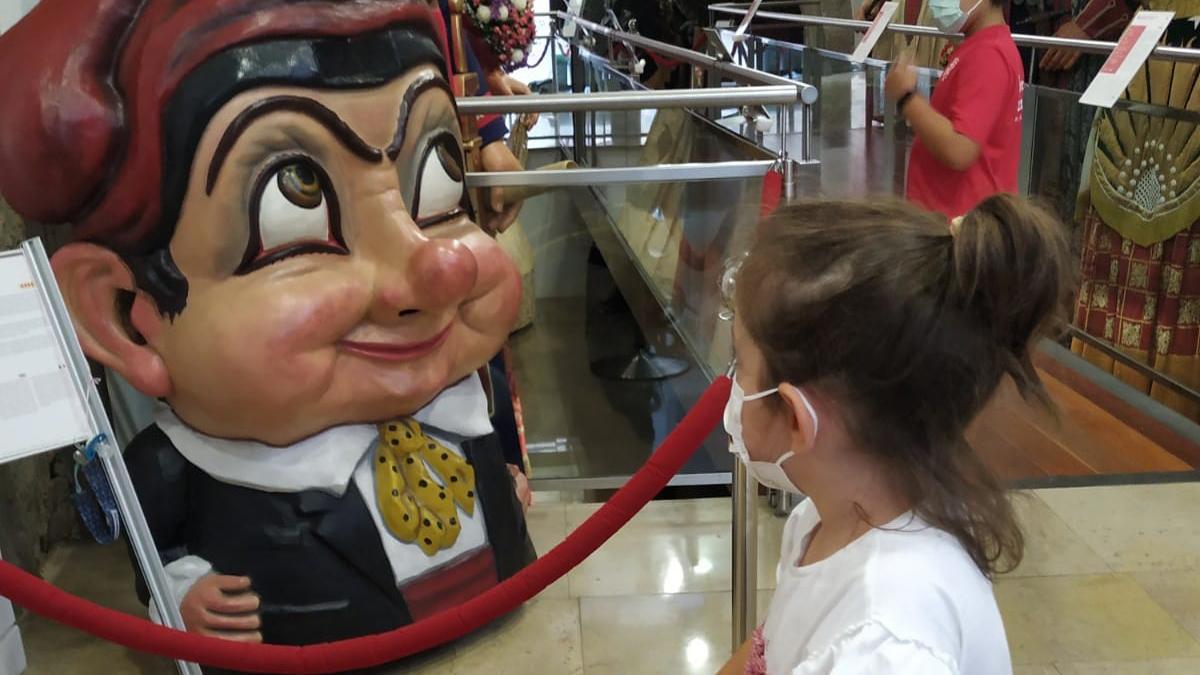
(93, 280)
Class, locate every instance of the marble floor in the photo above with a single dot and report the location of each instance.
(1110, 585)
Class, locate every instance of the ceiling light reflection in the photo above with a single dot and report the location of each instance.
(697, 652)
(672, 581)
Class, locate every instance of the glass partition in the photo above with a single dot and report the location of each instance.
(653, 337)
(1130, 316)
(671, 241)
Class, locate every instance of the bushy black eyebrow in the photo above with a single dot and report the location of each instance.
(419, 85)
(299, 104)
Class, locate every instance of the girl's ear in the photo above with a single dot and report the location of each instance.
(804, 419)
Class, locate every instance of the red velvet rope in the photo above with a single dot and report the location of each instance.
(139, 634)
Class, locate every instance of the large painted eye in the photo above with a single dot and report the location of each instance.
(300, 185)
(440, 192)
(293, 211)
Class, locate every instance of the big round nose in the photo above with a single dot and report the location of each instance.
(442, 272)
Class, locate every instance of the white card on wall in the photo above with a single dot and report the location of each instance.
(41, 407)
(882, 19)
(1136, 43)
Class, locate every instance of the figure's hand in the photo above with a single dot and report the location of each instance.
(901, 78)
(501, 84)
(1064, 59)
(524, 494)
(497, 156)
(498, 83)
(861, 13)
(224, 607)
(519, 88)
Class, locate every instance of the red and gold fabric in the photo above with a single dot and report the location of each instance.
(1140, 269)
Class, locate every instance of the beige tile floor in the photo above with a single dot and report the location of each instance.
(1110, 585)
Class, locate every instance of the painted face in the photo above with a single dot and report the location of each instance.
(334, 274)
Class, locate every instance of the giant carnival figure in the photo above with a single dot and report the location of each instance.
(273, 237)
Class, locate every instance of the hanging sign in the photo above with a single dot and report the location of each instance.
(882, 19)
(1133, 48)
(573, 9)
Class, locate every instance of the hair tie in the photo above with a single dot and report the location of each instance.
(955, 226)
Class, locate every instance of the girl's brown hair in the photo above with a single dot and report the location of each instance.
(910, 328)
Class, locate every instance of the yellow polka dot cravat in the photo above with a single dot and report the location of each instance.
(415, 507)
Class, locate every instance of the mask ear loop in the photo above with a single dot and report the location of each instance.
(812, 412)
(761, 394)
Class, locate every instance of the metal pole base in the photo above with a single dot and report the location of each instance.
(644, 365)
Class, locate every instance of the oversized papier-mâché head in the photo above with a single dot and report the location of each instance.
(271, 226)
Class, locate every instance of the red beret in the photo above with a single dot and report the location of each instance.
(86, 82)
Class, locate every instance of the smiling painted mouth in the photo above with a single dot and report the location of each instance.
(386, 351)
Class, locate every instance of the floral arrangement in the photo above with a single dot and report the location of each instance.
(506, 26)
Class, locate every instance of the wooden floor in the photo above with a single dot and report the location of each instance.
(1019, 441)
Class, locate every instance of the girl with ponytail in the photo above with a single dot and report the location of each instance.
(868, 335)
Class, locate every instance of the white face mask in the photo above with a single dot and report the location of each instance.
(948, 14)
(770, 474)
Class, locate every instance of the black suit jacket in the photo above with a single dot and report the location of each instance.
(315, 560)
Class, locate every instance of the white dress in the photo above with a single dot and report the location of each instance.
(905, 598)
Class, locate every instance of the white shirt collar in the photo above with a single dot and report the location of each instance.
(327, 460)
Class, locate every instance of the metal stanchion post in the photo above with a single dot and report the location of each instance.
(745, 554)
(577, 118)
(781, 130)
(745, 550)
(787, 166)
(554, 62)
(806, 132)
(1027, 170)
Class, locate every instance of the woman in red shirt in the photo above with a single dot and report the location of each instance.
(969, 133)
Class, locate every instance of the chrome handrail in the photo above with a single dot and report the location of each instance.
(1122, 105)
(808, 93)
(1178, 54)
(722, 97)
(588, 176)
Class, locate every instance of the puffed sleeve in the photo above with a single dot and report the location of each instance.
(871, 648)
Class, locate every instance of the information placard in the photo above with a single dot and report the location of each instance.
(41, 407)
(882, 19)
(49, 400)
(573, 9)
(740, 33)
(1133, 48)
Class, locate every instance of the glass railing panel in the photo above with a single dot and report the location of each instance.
(863, 148)
(653, 296)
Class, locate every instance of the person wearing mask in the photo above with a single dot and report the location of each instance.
(968, 135)
(885, 567)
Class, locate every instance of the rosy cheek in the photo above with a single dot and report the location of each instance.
(498, 292)
(496, 269)
(310, 317)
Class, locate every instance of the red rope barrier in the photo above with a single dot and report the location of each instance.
(139, 634)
